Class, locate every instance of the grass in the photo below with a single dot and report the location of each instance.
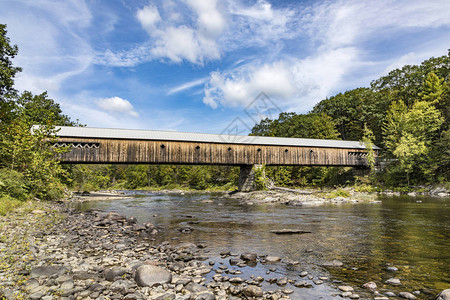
(9, 204)
(338, 193)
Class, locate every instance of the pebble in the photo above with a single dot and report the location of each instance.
(407, 295)
(393, 281)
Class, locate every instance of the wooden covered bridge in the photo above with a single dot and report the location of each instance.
(124, 146)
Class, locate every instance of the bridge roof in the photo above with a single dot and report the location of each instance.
(134, 134)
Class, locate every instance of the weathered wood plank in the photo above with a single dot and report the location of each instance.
(172, 152)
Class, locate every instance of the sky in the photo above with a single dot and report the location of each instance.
(208, 65)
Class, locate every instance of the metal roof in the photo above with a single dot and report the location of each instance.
(136, 134)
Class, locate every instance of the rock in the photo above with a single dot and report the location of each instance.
(47, 271)
(345, 288)
(249, 256)
(112, 273)
(346, 294)
(393, 281)
(205, 296)
(390, 294)
(444, 295)
(318, 282)
(354, 296)
(282, 281)
(236, 280)
(253, 291)
(370, 285)
(392, 269)
(287, 291)
(272, 259)
(303, 273)
(407, 295)
(31, 284)
(37, 295)
(195, 287)
(168, 296)
(333, 263)
(38, 212)
(67, 285)
(147, 275)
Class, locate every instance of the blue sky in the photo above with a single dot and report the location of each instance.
(194, 65)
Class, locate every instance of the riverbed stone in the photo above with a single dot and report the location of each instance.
(333, 263)
(370, 285)
(407, 295)
(148, 275)
(249, 256)
(253, 291)
(444, 295)
(392, 269)
(112, 273)
(47, 271)
(393, 281)
(272, 259)
(345, 288)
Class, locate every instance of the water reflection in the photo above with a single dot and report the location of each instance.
(413, 236)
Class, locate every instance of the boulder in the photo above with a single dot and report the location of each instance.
(147, 275)
(444, 295)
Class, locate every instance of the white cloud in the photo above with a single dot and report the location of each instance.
(194, 41)
(117, 105)
(148, 17)
(292, 82)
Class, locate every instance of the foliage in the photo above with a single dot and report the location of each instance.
(31, 154)
(7, 70)
(8, 204)
(13, 184)
(338, 193)
(260, 178)
(367, 140)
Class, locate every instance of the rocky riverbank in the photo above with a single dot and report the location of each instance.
(56, 253)
(301, 198)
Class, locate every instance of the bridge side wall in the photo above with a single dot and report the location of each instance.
(170, 152)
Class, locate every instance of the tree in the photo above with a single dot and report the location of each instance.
(32, 154)
(39, 109)
(7, 70)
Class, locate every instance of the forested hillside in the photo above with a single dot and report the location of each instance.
(406, 112)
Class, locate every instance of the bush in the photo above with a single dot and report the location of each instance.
(339, 193)
(13, 184)
(8, 204)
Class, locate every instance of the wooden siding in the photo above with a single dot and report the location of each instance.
(171, 152)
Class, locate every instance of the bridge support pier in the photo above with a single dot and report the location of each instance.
(247, 178)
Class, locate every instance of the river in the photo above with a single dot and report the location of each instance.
(409, 233)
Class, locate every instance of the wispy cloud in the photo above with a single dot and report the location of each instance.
(187, 85)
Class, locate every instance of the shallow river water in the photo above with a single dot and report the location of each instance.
(410, 233)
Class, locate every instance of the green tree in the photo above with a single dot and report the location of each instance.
(7, 70)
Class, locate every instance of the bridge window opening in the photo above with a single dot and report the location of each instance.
(162, 146)
(198, 147)
(358, 154)
(311, 151)
(286, 150)
(229, 148)
(80, 145)
(259, 150)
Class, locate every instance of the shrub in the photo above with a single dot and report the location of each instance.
(8, 204)
(13, 184)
